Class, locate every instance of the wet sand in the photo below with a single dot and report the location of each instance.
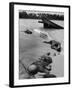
(31, 46)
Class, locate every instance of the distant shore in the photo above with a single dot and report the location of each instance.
(40, 15)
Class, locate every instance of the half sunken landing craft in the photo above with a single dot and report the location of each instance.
(49, 24)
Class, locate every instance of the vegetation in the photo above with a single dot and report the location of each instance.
(40, 15)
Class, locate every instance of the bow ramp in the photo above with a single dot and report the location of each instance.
(49, 24)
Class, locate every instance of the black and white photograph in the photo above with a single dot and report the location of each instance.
(41, 44)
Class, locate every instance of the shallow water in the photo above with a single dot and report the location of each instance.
(31, 46)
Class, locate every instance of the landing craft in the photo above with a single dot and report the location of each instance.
(49, 24)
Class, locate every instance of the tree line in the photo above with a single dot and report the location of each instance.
(26, 15)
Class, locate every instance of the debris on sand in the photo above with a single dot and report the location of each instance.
(43, 34)
(42, 65)
(54, 54)
(48, 53)
(28, 31)
(49, 76)
(54, 45)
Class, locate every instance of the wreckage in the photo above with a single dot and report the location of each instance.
(54, 45)
(27, 31)
(42, 65)
(49, 24)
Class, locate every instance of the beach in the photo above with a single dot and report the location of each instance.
(31, 46)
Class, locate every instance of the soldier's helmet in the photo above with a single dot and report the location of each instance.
(32, 69)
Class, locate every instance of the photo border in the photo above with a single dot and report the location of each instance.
(11, 43)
